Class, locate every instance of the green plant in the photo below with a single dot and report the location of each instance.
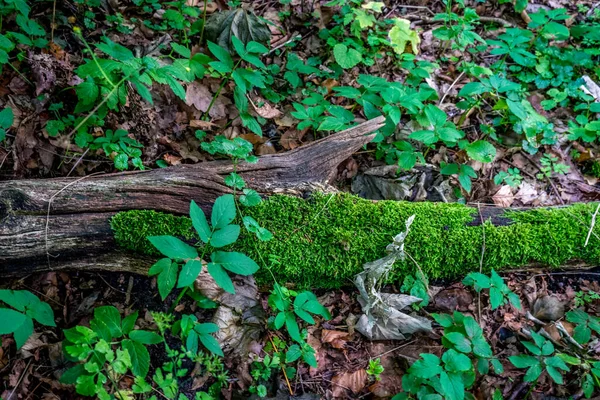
(304, 304)
(179, 254)
(541, 360)
(550, 165)
(500, 293)
(458, 29)
(106, 351)
(375, 368)
(463, 334)
(120, 148)
(417, 286)
(6, 120)
(191, 332)
(585, 324)
(432, 377)
(18, 320)
(512, 177)
(585, 297)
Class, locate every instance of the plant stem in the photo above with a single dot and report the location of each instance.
(223, 83)
(203, 22)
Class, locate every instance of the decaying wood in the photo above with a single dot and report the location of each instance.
(60, 223)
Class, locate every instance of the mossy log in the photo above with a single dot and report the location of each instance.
(323, 241)
(64, 223)
(101, 222)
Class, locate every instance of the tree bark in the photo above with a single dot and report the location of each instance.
(64, 223)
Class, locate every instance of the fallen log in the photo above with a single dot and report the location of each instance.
(101, 222)
(56, 223)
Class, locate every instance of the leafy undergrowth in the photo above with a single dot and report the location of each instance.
(484, 101)
(349, 366)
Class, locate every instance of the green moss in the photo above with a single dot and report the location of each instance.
(324, 241)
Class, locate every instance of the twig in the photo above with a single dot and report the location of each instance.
(50, 205)
(556, 192)
(282, 367)
(20, 379)
(78, 161)
(587, 239)
(53, 21)
(497, 20)
(396, 348)
(450, 88)
(481, 260)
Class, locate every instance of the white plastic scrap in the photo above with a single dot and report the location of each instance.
(382, 318)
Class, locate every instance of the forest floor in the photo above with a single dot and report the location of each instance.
(519, 129)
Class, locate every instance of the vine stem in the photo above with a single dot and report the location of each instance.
(83, 121)
(282, 366)
(223, 83)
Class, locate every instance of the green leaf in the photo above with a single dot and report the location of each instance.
(6, 118)
(23, 332)
(279, 320)
(223, 211)
(555, 375)
(145, 337)
(107, 322)
(189, 273)
(346, 57)
(199, 221)
(221, 278)
(426, 367)
(87, 91)
(211, 344)
(222, 26)
(69, 377)
(498, 368)
(292, 326)
(54, 127)
(533, 373)
(460, 342)
(496, 297)
(582, 334)
(115, 50)
(523, 361)
(401, 34)
(481, 347)
(225, 236)
(42, 313)
(235, 262)
(452, 386)
(140, 358)
(166, 280)
(221, 54)
(172, 247)
(143, 91)
(181, 50)
(293, 353)
(532, 348)
(481, 150)
(456, 362)
(129, 322)
(159, 266)
(473, 88)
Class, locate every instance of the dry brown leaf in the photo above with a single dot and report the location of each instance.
(198, 95)
(330, 84)
(254, 139)
(265, 149)
(171, 159)
(292, 138)
(337, 339)
(198, 123)
(504, 197)
(354, 381)
(266, 110)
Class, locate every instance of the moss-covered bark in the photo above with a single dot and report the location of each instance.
(324, 241)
